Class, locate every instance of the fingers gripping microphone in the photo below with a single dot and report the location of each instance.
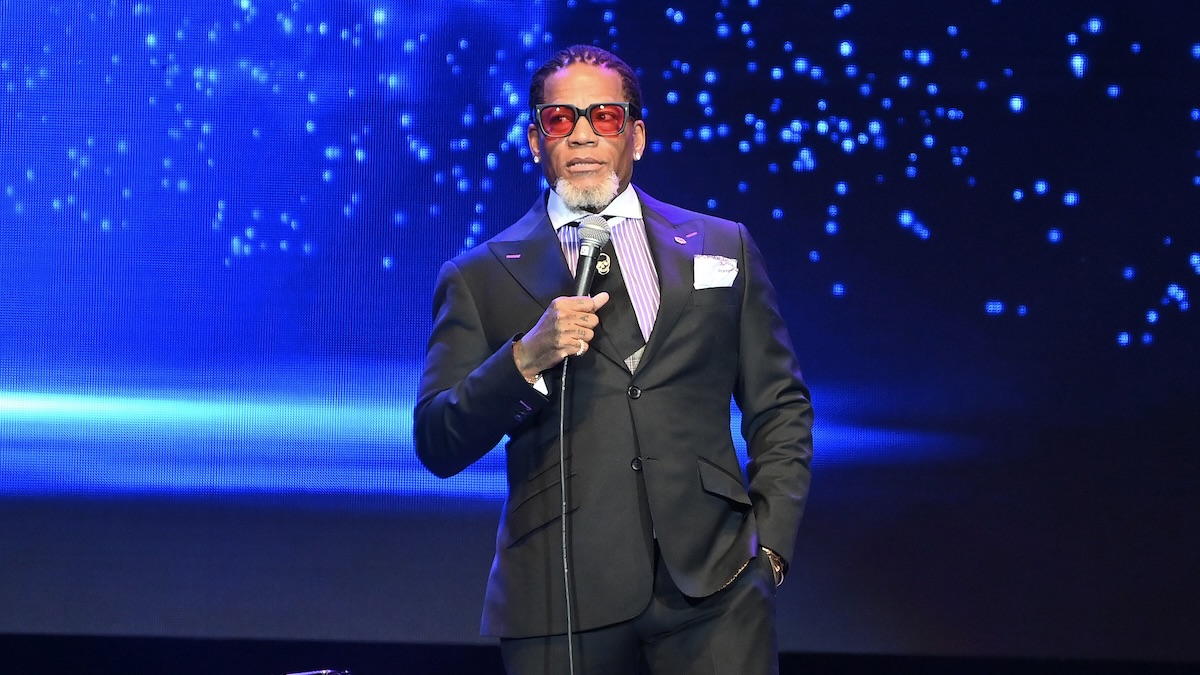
(593, 235)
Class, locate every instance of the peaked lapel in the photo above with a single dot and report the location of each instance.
(675, 237)
(532, 254)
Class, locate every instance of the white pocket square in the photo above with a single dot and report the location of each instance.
(713, 271)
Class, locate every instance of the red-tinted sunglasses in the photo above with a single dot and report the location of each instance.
(558, 120)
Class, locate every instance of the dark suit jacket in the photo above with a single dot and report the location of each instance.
(673, 413)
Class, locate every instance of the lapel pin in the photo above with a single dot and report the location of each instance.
(603, 263)
(513, 256)
(692, 234)
(680, 240)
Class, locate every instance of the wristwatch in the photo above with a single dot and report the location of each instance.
(778, 565)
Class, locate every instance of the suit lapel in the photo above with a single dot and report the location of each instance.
(532, 254)
(674, 239)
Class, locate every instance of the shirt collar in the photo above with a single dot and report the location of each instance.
(626, 205)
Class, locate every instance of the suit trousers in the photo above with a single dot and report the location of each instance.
(731, 632)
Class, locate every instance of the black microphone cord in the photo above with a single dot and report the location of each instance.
(594, 235)
(562, 478)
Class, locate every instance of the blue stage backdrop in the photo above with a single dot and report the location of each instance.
(220, 225)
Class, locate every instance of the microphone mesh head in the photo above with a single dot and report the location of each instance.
(594, 231)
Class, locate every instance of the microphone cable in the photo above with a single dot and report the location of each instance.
(562, 477)
(594, 234)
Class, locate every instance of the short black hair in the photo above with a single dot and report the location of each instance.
(594, 56)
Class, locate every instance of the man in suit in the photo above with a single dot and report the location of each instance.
(673, 553)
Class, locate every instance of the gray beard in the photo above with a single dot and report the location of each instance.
(592, 198)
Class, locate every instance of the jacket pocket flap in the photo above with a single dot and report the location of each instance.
(534, 512)
(721, 483)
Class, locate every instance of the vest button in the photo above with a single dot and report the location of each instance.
(636, 464)
(635, 393)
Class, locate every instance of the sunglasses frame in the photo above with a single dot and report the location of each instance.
(581, 113)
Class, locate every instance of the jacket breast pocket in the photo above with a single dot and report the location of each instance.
(725, 295)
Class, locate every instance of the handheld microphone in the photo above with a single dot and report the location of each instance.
(593, 235)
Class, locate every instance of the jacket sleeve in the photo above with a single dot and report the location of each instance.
(471, 392)
(776, 411)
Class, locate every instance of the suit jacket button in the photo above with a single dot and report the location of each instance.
(635, 393)
(636, 464)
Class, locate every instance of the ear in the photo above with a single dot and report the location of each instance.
(535, 141)
(639, 138)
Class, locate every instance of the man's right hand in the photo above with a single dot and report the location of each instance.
(565, 329)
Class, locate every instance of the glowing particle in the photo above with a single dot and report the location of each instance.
(1079, 64)
(994, 307)
(1071, 199)
(846, 48)
(1016, 104)
(1054, 236)
(1123, 339)
(839, 289)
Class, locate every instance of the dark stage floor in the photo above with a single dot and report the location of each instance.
(59, 655)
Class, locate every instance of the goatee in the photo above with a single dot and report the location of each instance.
(593, 198)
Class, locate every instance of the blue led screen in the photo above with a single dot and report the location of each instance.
(220, 224)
